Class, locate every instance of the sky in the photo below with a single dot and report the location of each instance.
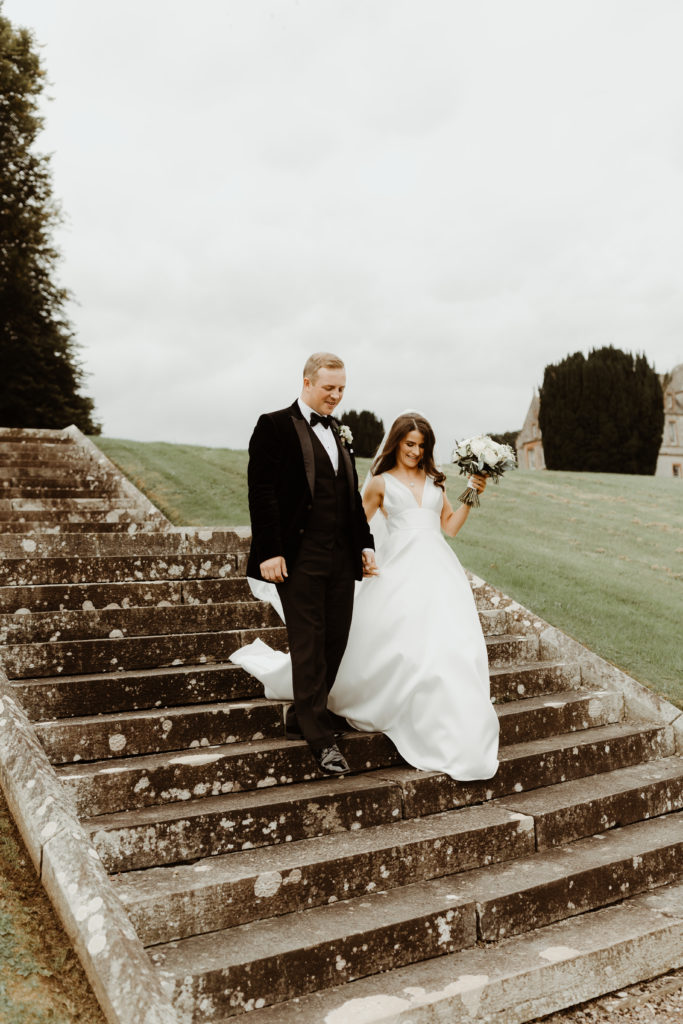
(450, 195)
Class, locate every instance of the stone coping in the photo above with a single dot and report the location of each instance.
(125, 487)
(127, 986)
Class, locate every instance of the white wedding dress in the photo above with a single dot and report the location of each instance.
(415, 666)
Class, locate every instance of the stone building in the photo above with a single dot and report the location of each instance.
(670, 462)
(529, 440)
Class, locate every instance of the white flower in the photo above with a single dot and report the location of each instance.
(482, 453)
(345, 435)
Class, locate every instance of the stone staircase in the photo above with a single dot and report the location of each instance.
(255, 883)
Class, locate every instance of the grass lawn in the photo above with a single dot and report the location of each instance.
(598, 555)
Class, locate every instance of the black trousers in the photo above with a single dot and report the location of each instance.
(317, 599)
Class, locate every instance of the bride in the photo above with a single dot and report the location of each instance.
(415, 665)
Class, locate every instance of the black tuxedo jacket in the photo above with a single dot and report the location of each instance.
(281, 479)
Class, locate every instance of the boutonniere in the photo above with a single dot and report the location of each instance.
(345, 435)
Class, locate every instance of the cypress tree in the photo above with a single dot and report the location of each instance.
(367, 430)
(40, 379)
(508, 437)
(603, 413)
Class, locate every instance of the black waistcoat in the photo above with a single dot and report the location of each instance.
(330, 514)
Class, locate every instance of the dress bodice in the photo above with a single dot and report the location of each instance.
(402, 509)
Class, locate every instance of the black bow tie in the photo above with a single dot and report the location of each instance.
(326, 421)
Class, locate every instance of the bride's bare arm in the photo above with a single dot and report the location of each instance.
(373, 496)
(452, 519)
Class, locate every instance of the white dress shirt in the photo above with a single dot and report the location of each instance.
(327, 439)
(324, 434)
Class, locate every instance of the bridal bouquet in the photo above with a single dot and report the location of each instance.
(481, 455)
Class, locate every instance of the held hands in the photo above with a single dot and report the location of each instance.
(369, 563)
(274, 570)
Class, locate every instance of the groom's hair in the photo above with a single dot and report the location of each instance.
(319, 360)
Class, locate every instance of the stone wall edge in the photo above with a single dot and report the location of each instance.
(127, 986)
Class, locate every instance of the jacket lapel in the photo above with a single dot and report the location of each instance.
(304, 435)
(346, 462)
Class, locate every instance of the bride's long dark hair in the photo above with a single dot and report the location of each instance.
(386, 459)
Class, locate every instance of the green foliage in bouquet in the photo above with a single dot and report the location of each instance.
(602, 413)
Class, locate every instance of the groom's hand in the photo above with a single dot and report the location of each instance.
(369, 563)
(274, 569)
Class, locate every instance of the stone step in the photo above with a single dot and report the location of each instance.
(109, 692)
(124, 784)
(89, 738)
(162, 544)
(58, 490)
(97, 737)
(539, 763)
(88, 624)
(270, 961)
(533, 679)
(130, 783)
(167, 903)
(59, 517)
(72, 465)
(174, 902)
(91, 596)
(85, 624)
(55, 597)
(21, 572)
(572, 810)
(35, 528)
(217, 825)
(536, 718)
(69, 474)
(126, 653)
(109, 505)
(79, 657)
(523, 978)
(25, 456)
(41, 438)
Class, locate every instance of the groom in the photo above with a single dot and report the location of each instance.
(311, 538)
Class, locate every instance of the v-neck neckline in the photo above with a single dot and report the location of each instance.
(409, 490)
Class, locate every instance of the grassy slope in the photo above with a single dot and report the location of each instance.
(193, 486)
(598, 555)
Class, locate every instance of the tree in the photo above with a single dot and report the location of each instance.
(508, 437)
(367, 431)
(41, 378)
(603, 413)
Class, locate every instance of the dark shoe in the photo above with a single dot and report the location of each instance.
(331, 761)
(293, 734)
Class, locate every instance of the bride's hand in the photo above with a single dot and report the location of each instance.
(369, 563)
(477, 482)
